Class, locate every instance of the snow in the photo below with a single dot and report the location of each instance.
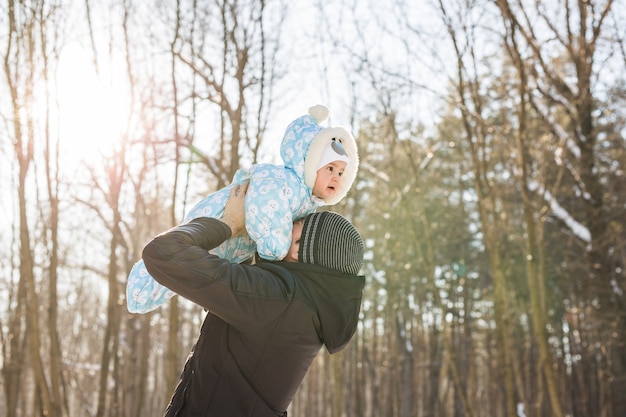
(579, 230)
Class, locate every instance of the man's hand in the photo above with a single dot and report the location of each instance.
(234, 211)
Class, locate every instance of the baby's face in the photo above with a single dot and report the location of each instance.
(296, 232)
(327, 180)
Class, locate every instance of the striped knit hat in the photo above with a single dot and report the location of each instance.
(331, 241)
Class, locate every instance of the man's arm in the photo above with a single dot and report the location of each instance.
(189, 243)
(143, 292)
(239, 294)
(179, 258)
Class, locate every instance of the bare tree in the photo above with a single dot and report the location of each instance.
(25, 59)
(233, 56)
(534, 230)
(477, 140)
(568, 85)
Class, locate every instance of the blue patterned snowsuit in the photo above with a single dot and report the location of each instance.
(276, 196)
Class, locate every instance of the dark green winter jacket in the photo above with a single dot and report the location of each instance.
(265, 323)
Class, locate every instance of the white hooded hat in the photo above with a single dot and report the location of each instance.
(331, 144)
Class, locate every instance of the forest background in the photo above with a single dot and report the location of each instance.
(491, 193)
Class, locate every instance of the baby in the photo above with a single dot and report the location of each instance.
(320, 165)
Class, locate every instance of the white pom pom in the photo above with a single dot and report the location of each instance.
(319, 112)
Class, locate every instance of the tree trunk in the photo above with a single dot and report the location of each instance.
(172, 365)
(533, 242)
(59, 399)
(111, 331)
(22, 104)
(14, 351)
(116, 174)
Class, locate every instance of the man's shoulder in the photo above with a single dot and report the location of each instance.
(290, 273)
(273, 267)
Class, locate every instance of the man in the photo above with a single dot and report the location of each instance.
(266, 322)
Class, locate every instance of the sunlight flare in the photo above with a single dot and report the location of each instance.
(93, 107)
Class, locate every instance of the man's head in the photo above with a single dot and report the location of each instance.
(331, 241)
(296, 233)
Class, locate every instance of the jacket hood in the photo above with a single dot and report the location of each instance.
(304, 143)
(338, 299)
